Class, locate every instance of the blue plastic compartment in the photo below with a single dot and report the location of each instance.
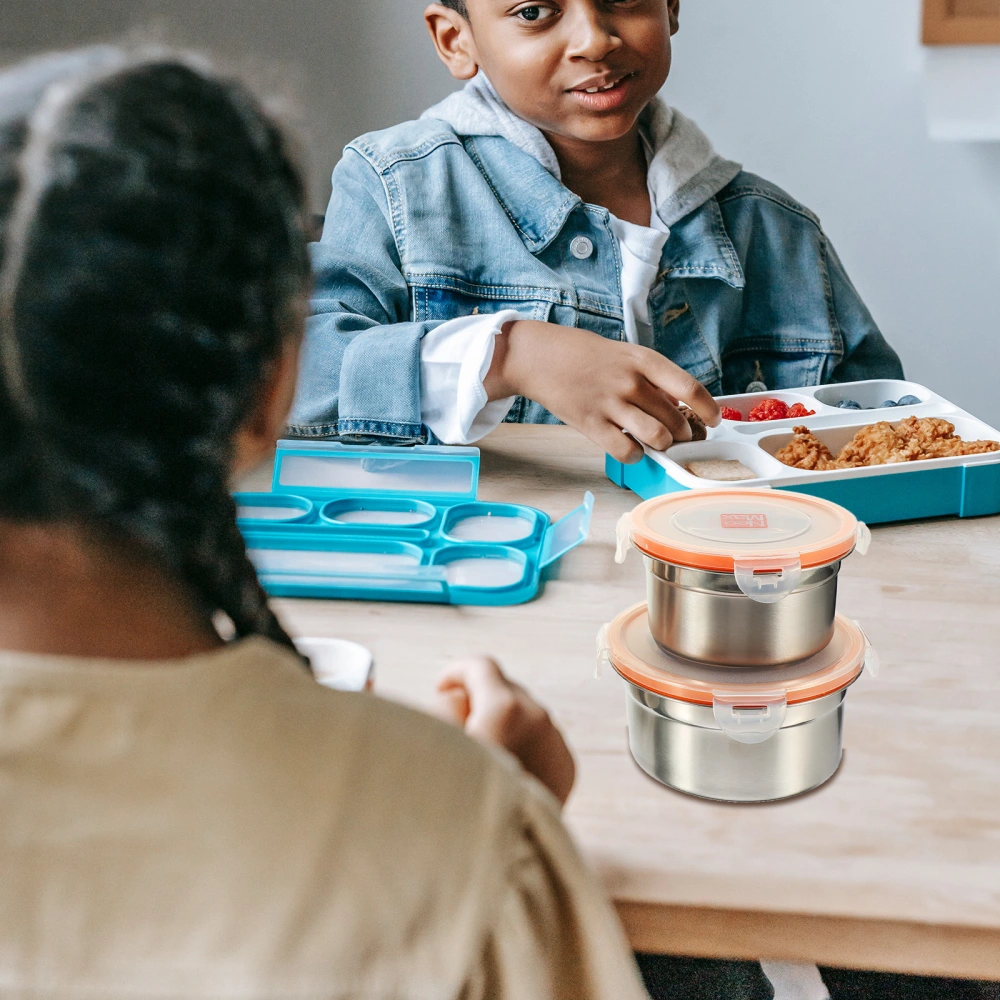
(271, 508)
(445, 547)
(378, 514)
(506, 524)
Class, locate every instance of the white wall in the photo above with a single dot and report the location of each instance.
(824, 99)
(320, 53)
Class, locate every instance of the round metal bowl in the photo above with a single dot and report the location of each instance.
(683, 746)
(705, 616)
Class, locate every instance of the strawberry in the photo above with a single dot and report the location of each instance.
(799, 410)
(769, 409)
(728, 413)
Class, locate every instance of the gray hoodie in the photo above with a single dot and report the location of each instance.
(684, 170)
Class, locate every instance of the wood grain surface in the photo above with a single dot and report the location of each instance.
(894, 864)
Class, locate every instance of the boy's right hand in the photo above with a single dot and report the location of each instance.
(601, 387)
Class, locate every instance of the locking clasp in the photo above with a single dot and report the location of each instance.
(749, 718)
(768, 579)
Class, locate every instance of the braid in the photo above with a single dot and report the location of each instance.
(152, 258)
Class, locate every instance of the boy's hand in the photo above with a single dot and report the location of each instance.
(601, 387)
(475, 695)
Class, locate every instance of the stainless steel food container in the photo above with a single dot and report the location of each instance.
(705, 616)
(683, 746)
(742, 578)
(753, 736)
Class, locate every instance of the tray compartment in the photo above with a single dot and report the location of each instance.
(326, 556)
(272, 508)
(764, 465)
(835, 437)
(377, 514)
(492, 523)
(747, 401)
(483, 567)
(872, 394)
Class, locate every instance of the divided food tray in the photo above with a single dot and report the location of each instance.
(966, 486)
(397, 524)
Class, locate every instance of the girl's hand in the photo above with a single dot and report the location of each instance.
(475, 695)
(601, 387)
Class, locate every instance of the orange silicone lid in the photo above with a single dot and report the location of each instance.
(710, 529)
(635, 655)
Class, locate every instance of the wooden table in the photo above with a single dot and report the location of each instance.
(893, 865)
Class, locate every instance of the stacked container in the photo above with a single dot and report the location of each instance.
(737, 666)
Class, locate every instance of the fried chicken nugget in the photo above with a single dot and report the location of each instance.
(806, 451)
(937, 439)
(878, 444)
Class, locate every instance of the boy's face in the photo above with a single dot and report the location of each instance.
(546, 56)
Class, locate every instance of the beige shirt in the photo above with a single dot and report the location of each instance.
(224, 827)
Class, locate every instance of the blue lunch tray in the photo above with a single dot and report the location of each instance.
(397, 524)
(966, 486)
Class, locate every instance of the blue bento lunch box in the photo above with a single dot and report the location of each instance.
(966, 486)
(397, 524)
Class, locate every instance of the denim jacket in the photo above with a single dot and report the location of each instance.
(425, 226)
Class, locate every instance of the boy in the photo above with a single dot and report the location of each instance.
(555, 243)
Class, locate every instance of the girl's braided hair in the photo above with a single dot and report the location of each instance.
(152, 262)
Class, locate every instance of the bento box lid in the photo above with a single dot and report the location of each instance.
(719, 529)
(324, 470)
(626, 643)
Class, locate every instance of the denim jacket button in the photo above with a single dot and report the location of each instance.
(581, 248)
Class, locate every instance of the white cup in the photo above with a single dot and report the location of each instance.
(339, 664)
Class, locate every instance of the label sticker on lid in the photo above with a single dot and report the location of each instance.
(744, 520)
(749, 523)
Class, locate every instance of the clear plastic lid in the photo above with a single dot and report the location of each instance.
(629, 647)
(721, 529)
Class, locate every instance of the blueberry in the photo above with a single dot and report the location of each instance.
(908, 401)
(887, 404)
(849, 404)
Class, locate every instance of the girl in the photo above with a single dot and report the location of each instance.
(179, 814)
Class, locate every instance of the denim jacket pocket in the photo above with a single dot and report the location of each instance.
(677, 335)
(780, 362)
(451, 299)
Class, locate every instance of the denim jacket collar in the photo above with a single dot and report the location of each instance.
(539, 207)
(538, 204)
